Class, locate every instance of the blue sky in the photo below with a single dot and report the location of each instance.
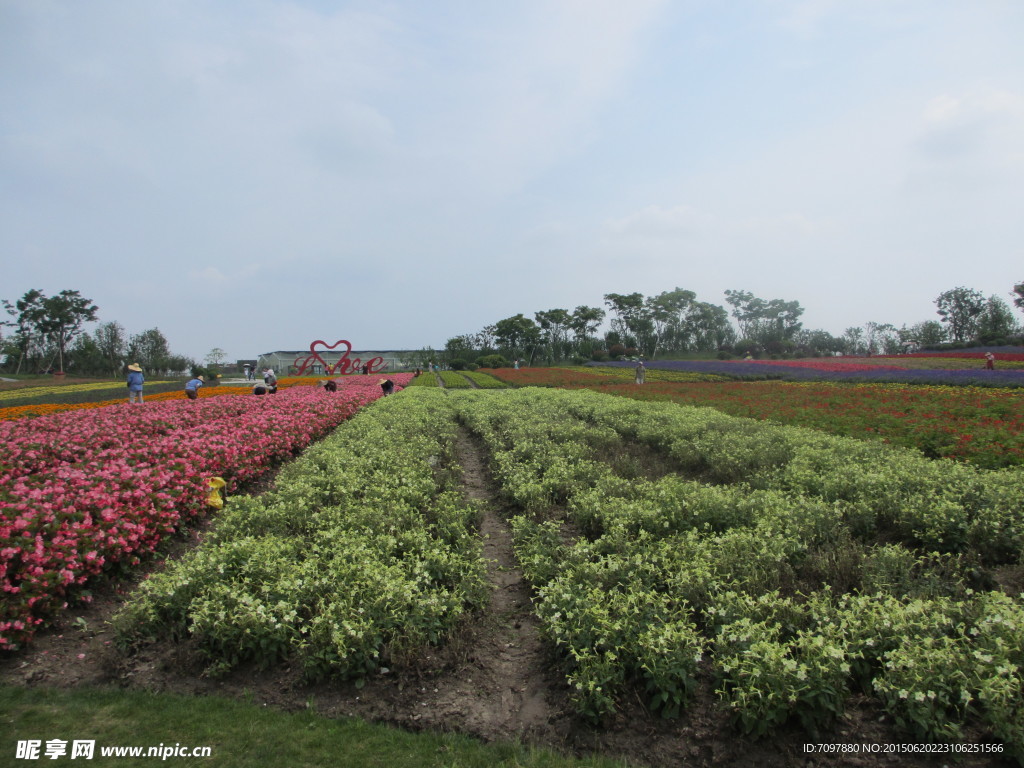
(255, 175)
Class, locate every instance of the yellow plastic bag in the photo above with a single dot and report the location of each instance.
(215, 497)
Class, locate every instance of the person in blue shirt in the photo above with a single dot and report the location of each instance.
(192, 387)
(135, 381)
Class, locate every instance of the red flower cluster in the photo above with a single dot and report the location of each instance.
(84, 489)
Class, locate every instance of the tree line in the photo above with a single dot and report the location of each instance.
(49, 336)
(49, 333)
(675, 323)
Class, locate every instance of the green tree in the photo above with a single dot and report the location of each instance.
(853, 339)
(460, 348)
(1018, 296)
(555, 327)
(959, 308)
(632, 323)
(927, 334)
(769, 323)
(85, 358)
(584, 323)
(517, 336)
(817, 343)
(668, 312)
(484, 340)
(29, 340)
(707, 327)
(113, 344)
(215, 357)
(881, 337)
(996, 320)
(51, 322)
(150, 350)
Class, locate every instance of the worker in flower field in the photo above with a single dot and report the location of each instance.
(269, 378)
(990, 361)
(135, 381)
(330, 385)
(259, 389)
(192, 387)
(640, 372)
(387, 386)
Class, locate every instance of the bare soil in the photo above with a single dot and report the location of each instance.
(496, 680)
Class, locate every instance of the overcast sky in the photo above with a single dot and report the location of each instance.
(254, 175)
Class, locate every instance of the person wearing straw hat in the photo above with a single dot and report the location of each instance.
(135, 381)
(192, 387)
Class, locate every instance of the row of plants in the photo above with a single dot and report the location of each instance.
(363, 553)
(161, 392)
(425, 379)
(57, 401)
(85, 491)
(484, 380)
(454, 380)
(13, 396)
(983, 426)
(756, 370)
(756, 565)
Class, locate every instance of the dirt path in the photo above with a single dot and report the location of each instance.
(511, 684)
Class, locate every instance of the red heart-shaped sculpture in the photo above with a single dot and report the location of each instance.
(315, 356)
(330, 369)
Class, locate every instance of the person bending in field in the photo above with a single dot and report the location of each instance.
(387, 386)
(192, 387)
(990, 361)
(330, 385)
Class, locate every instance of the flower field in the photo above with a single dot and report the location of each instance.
(363, 545)
(84, 490)
(484, 380)
(854, 370)
(675, 553)
(980, 425)
(758, 567)
(27, 392)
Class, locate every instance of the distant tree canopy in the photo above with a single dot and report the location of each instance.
(49, 335)
(677, 322)
(48, 324)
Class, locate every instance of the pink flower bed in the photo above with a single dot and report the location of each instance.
(83, 490)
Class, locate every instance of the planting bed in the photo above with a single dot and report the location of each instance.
(705, 589)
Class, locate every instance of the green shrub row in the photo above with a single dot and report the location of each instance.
(425, 379)
(777, 593)
(362, 553)
(484, 380)
(454, 380)
(881, 490)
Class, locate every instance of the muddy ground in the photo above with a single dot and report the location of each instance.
(495, 681)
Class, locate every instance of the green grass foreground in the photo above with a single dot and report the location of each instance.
(240, 734)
